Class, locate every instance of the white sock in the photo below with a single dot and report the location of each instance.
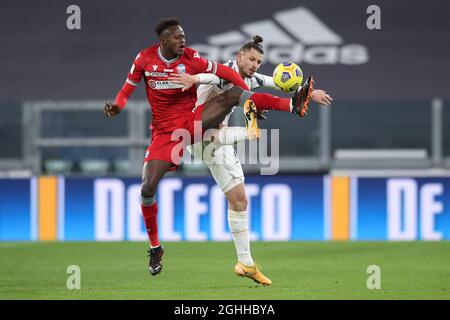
(237, 221)
(230, 135)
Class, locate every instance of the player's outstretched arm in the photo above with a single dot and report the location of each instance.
(201, 65)
(230, 75)
(112, 109)
(321, 97)
(262, 81)
(188, 80)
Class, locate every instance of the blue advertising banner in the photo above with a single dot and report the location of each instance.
(16, 211)
(403, 209)
(193, 209)
(281, 208)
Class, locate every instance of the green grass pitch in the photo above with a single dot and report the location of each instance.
(204, 270)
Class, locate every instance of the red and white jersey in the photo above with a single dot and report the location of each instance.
(168, 103)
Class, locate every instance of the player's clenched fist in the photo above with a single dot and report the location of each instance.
(111, 109)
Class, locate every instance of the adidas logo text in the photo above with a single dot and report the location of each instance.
(292, 35)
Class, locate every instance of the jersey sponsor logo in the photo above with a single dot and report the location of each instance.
(156, 74)
(163, 85)
(291, 35)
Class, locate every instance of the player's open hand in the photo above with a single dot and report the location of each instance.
(261, 114)
(187, 80)
(111, 109)
(321, 97)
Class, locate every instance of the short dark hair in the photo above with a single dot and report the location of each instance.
(166, 23)
(255, 44)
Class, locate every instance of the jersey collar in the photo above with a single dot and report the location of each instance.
(167, 62)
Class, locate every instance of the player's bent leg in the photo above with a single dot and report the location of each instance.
(153, 172)
(215, 110)
(229, 135)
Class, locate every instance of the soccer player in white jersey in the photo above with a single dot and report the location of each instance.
(223, 163)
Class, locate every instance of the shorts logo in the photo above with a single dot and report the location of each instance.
(147, 153)
(181, 68)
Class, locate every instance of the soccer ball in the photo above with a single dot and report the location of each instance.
(288, 76)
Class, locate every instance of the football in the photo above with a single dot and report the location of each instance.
(288, 76)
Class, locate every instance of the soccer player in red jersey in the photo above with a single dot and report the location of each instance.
(173, 108)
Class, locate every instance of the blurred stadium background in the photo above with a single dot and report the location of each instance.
(373, 166)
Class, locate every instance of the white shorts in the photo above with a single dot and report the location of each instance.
(223, 163)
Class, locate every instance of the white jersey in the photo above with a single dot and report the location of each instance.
(206, 92)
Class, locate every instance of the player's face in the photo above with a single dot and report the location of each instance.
(249, 62)
(174, 41)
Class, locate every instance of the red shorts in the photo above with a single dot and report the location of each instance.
(169, 146)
